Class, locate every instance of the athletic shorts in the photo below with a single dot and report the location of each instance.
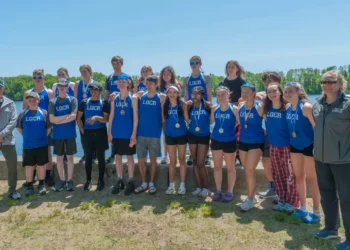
(64, 147)
(121, 147)
(196, 139)
(266, 152)
(96, 139)
(250, 146)
(226, 147)
(308, 151)
(36, 156)
(148, 145)
(179, 140)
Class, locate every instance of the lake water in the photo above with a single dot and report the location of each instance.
(80, 153)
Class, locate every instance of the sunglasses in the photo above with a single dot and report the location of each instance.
(37, 77)
(328, 82)
(60, 85)
(291, 83)
(194, 63)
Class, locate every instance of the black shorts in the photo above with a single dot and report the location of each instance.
(121, 147)
(179, 140)
(196, 139)
(96, 138)
(36, 156)
(308, 151)
(64, 147)
(266, 152)
(226, 147)
(249, 146)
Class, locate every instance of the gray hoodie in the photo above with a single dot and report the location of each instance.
(8, 118)
(332, 130)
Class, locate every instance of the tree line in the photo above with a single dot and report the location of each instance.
(310, 78)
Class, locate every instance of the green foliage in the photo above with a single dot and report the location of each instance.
(174, 205)
(309, 77)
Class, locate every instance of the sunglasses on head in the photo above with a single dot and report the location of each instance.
(328, 82)
(194, 63)
(37, 77)
(291, 83)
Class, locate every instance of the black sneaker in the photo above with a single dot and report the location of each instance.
(42, 190)
(87, 186)
(110, 160)
(26, 184)
(65, 159)
(70, 185)
(130, 188)
(189, 161)
(29, 190)
(60, 186)
(49, 180)
(117, 187)
(82, 160)
(100, 185)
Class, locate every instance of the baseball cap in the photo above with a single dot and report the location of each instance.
(123, 77)
(2, 83)
(152, 78)
(63, 81)
(96, 85)
(173, 87)
(249, 85)
(33, 94)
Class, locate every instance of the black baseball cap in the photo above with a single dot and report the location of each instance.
(96, 85)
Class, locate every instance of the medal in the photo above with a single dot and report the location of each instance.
(294, 135)
(122, 112)
(246, 125)
(84, 96)
(221, 130)
(197, 129)
(177, 125)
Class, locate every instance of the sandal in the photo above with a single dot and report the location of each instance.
(170, 190)
(140, 189)
(152, 190)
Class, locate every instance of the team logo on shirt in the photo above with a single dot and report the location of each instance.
(222, 116)
(42, 97)
(149, 102)
(242, 114)
(292, 116)
(195, 83)
(337, 110)
(94, 108)
(274, 114)
(33, 119)
(62, 108)
(196, 113)
(172, 112)
(121, 104)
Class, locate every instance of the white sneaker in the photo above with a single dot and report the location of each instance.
(165, 160)
(248, 204)
(181, 191)
(196, 192)
(15, 195)
(205, 193)
(170, 190)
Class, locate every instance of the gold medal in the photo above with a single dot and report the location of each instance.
(177, 125)
(197, 129)
(294, 135)
(84, 96)
(246, 125)
(221, 130)
(122, 112)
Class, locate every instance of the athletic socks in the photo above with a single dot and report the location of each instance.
(130, 178)
(302, 208)
(171, 185)
(316, 212)
(120, 177)
(144, 184)
(182, 185)
(151, 184)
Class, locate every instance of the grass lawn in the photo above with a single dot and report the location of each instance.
(91, 220)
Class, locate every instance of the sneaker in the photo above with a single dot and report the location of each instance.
(228, 197)
(343, 246)
(312, 219)
(87, 185)
(26, 184)
(299, 214)
(42, 190)
(197, 192)
(205, 193)
(275, 200)
(15, 195)
(100, 185)
(165, 160)
(70, 185)
(181, 191)
(130, 187)
(270, 193)
(117, 187)
(82, 160)
(248, 204)
(288, 208)
(217, 196)
(327, 234)
(94, 161)
(49, 181)
(279, 207)
(65, 159)
(60, 186)
(189, 161)
(170, 190)
(110, 160)
(29, 190)
(207, 162)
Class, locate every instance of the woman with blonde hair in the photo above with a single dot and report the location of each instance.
(301, 133)
(141, 83)
(332, 155)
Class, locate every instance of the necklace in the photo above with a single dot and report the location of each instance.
(176, 118)
(246, 115)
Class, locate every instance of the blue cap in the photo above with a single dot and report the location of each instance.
(249, 85)
(123, 77)
(2, 83)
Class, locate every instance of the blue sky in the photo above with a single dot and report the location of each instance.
(261, 35)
